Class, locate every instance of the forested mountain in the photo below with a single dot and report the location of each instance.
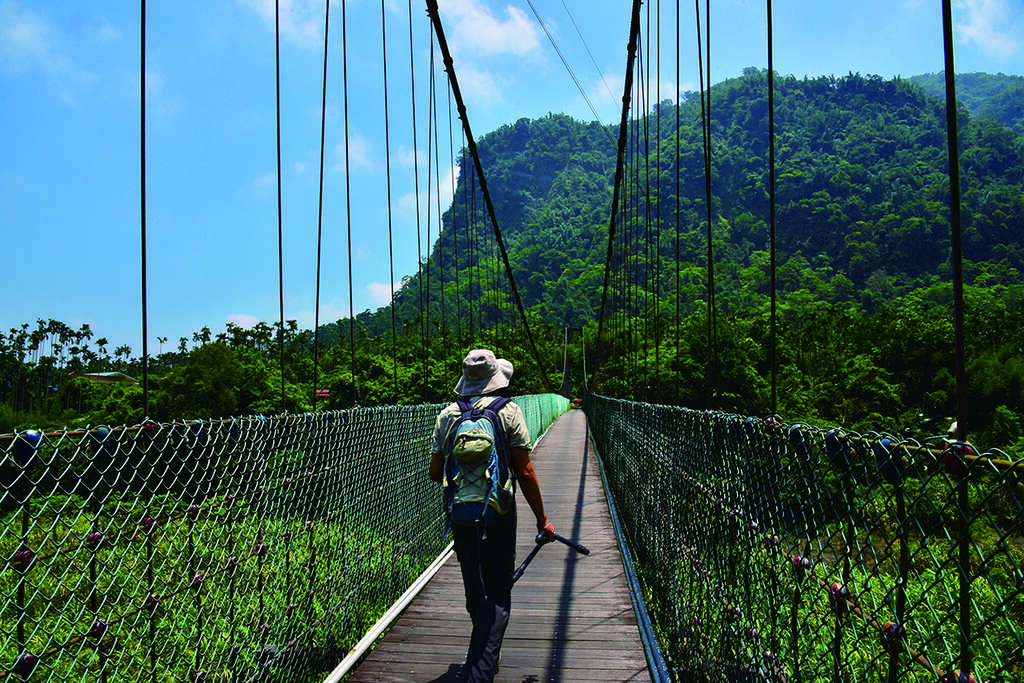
(996, 95)
(862, 192)
(863, 283)
(863, 246)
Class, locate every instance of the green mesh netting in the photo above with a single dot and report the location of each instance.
(773, 551)
(214, 550)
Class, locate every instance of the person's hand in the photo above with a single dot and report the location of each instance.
(546, 529)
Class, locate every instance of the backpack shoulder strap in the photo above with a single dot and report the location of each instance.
(499, 403)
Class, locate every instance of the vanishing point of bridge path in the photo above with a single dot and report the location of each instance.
(572, 617)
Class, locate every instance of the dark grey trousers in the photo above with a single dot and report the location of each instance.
(487, 566)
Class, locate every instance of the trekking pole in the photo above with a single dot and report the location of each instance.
(541, 540)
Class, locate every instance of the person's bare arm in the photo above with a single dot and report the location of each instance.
(530, 487)
(437, 467)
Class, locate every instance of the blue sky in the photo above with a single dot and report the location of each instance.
(69, 146)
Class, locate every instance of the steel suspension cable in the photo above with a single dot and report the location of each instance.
(771, 209)
(643, 109)
(568, 68)
(150, 578)
(387, 169)
(956, 229)
(589, 53)
(416, 177)
(474, 259)
(705, 110)
(469, 210)
(657, 195)
(455, 225)
(634, 33)
(348, 207)
(430, 168)
(142, 210)
(440, 218)
(320, 212)
(678, 189)
(435, 18)
(280, 212)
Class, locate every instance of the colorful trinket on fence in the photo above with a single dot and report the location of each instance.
(800, 441)
(97, 629)
(94, 540)
(23, 560)
(802, 565)
(103, 443)
(148, 523)
(27, 445)
(838, 449)
(25, 664)
(888, 460)
(954, 460)
(839, 595)
(891, 634)
(957, 676)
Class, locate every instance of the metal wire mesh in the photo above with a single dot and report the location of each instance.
(243, 549)
(773, 551)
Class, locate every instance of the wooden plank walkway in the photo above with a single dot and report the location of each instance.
(571, 620)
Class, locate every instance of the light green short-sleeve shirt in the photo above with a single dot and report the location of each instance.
(517, 434)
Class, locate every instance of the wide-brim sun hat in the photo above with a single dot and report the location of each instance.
(483, 373)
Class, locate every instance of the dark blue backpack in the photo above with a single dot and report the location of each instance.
(477, 482)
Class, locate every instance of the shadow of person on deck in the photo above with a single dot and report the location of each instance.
(449, 676)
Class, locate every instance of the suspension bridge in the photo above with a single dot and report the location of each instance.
(311, 546)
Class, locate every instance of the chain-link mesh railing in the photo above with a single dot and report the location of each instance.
(772, 551)
(243, 549)
(540, 410)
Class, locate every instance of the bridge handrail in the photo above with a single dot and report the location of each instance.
(769, 547)
(192, 550)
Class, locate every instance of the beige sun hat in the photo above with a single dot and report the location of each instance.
(483, 373)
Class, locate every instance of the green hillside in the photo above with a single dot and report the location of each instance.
(996, 95)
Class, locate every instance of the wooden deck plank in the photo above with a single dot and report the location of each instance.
(572, 618)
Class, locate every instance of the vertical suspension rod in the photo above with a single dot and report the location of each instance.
(964, 545)
(771, 206)
(634, 34)
(449, 64)
(142, 201)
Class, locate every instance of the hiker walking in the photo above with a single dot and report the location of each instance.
(481, 451)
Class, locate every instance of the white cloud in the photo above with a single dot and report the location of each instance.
(408, 157)
(484, 86)
(380, 292)
(992, 26)
(243, 320)
(475, 30)
(264, 182)
(29, 42)
(301, 20)
(476, 33)
(102, 31)
(360, 153)
(155, 83)
(449, 183)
